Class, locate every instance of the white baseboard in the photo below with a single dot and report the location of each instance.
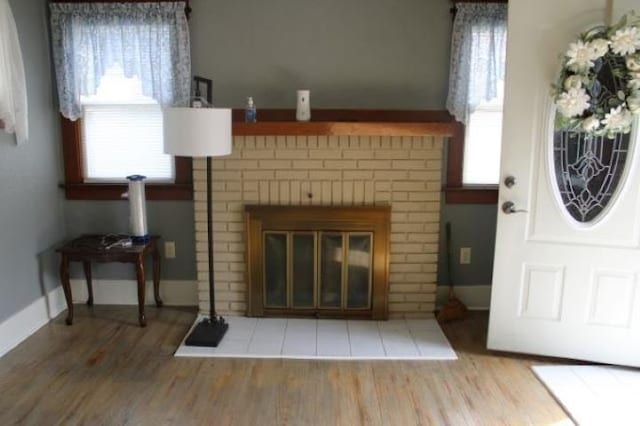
(475, 297)
(23, 324)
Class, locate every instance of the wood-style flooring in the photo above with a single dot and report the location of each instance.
(106, 370)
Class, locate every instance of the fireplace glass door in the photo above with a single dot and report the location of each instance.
(315, 271)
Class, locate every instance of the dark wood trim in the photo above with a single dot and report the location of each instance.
(472, 195)
(333, 122)
(350, 115)
(455, 157)
(375, 219)
(76, 189)
(455, 191)
(341, 128)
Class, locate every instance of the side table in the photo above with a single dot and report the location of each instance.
(104, 248)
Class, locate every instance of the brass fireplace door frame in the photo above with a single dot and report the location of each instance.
(373, 219)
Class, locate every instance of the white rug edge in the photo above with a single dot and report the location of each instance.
(179, 354)
(538, 372)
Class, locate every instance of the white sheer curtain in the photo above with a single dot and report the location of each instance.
(478, 49)
(13, 87)
(149, 40)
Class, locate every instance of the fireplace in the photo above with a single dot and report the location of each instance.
(400, 173)
(318, 261)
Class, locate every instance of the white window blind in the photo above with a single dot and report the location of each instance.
(123, 140)
(483, 143)
(122, 132)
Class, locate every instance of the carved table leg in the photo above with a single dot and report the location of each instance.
(155, 255)
(87, 273)
(141, 290)
(66, 286)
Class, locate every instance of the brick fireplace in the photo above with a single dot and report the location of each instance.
(402, 172)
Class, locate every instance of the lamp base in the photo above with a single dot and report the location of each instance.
(208, 332)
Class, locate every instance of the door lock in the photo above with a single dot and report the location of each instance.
(509, 181)
(508, 207)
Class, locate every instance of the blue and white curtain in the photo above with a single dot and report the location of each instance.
(478, 49)
(149, 40)
(13, 87)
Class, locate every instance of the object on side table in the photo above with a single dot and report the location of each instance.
(201, 132)
(137, 209)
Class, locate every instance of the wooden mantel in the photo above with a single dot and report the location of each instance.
(334, 122)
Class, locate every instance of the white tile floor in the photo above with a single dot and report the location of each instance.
(594, 395)
(419, 339)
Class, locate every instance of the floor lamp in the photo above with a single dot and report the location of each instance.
(201, 132)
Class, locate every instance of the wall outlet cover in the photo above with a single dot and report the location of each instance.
(465, 255)
(170, 249)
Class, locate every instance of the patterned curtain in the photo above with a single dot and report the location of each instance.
(13, 87)
(148, 40)
(478, 45)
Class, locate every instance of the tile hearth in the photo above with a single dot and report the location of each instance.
(401, 339)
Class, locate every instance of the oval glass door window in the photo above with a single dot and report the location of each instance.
(589, 169)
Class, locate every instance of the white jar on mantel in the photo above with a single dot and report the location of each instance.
(303, 110)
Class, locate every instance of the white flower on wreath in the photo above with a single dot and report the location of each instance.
(573, 102)
(581, 56)
(625, 41)
(617, 120)
(633, 63)
(572, 82)
(599, 47)
(633, 103)
(591, 124)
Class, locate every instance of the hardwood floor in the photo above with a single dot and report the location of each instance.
(106, 370)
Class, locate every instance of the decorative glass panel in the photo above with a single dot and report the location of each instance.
(303, 270)
(331, 270)
(359, 271)
(588, 171)
(275, 269)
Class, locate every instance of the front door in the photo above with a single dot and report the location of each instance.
(567, 264)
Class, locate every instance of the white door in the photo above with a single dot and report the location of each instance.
(561, 287)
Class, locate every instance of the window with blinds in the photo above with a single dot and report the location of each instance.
(482, 144)
(122, 133)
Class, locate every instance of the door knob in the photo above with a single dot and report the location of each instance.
(508, 207)
(509, 181)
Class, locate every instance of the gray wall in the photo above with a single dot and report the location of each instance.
(31, 209)
(173, 220)
(385, 54)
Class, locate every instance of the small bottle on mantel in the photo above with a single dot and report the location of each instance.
(250, 114)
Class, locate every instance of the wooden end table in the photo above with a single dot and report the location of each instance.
(101, 248)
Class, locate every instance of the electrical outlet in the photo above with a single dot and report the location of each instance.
(170, 249)
(465, 255)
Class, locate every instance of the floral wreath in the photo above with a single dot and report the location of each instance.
(586, 105)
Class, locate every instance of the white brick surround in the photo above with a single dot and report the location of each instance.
(404, 172)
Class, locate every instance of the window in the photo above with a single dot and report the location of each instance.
(117, 63)
(475, 97)
(482, 143)
(122, 132)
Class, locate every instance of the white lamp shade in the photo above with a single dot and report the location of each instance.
(197, 132)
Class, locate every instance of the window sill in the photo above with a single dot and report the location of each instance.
(105, 191)
(485, 194)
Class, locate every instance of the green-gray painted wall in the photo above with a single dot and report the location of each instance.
(31, 205)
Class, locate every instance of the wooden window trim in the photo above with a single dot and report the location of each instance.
(455, 191)
(76, 189)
